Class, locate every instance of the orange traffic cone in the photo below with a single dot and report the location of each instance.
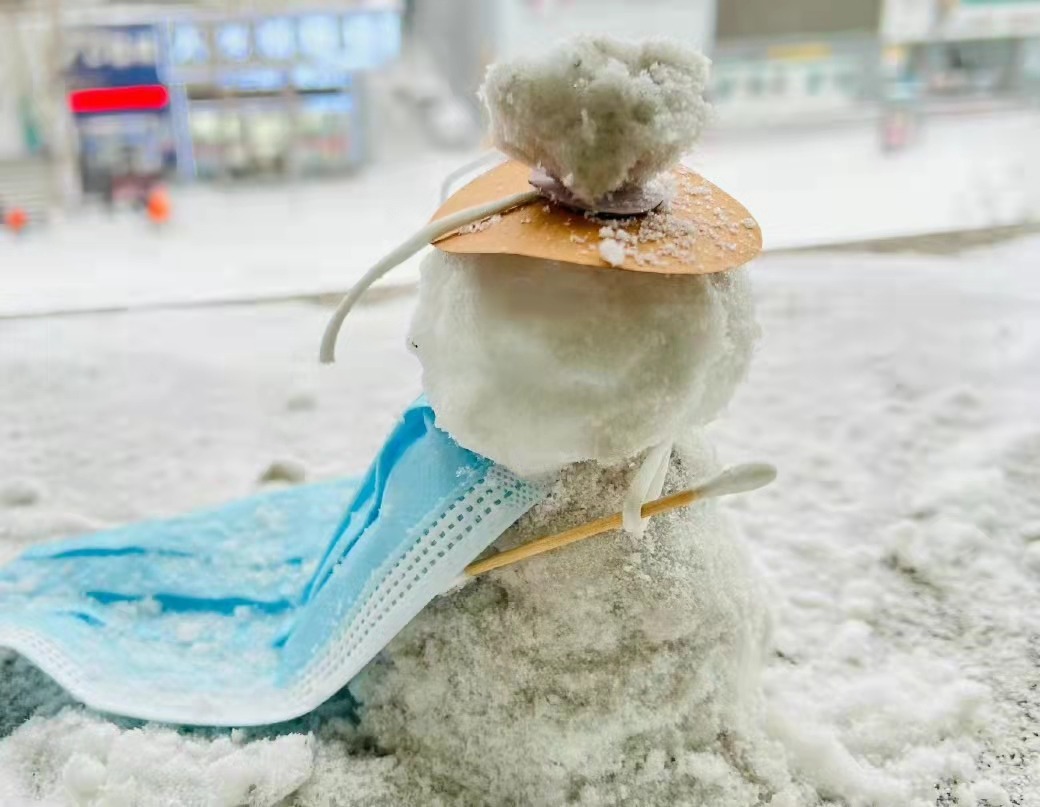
(158, 206)
(16, 220)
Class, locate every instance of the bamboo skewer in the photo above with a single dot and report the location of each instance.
(579, 533)
(733, 480)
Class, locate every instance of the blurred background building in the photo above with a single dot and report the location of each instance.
(113, 96)
(99, 98)
(972, 49)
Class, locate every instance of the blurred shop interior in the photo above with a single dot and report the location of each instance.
(98, 100)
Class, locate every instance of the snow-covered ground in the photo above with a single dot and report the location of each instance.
(806, 187)
(901, 543)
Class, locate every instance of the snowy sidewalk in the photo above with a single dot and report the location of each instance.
(806, 188)
(902, 540)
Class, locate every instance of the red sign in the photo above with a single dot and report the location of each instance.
(142, 98)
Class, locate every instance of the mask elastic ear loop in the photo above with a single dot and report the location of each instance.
(486, 159)
(645, 485)
(431, 232)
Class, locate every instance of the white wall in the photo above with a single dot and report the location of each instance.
(25, 44)
(10, 134)
(925, 20)
(464, 36)
(10, 128)
(458, 36)
(529, 25)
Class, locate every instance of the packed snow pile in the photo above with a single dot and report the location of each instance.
(898, 547)
(79, 759)
(657, 704)
(536, 364)
(599, 114)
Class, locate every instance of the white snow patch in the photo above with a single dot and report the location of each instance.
(613, 252)
(992, 795)
(79, 760)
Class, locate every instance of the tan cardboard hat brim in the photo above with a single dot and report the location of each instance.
(702, 229)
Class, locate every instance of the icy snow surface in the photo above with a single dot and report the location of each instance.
(900, 545)
(90, 761)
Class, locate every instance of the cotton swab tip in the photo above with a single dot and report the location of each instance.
(739, 479)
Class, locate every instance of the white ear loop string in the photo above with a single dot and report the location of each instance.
(486, 159)
(431, 232)
(645, 486)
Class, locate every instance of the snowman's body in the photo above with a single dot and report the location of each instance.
(632, 660)
(618, 662)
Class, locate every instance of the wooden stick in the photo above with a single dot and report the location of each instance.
(737, 479)
(579, 533)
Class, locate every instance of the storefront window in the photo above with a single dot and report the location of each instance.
(319, 37)
(970, 68)
(849, 83)
(276, 39)
(188, 45)
(233, 41)
(723, 88)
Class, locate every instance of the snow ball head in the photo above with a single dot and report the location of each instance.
(537, 364)
(599, 114)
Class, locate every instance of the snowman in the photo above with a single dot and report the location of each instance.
(528, 592)
(581, 319)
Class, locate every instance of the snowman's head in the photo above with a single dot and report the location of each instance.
(598, 113)
(538, 349)
(536, 364)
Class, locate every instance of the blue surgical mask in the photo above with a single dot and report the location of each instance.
(260, 610)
